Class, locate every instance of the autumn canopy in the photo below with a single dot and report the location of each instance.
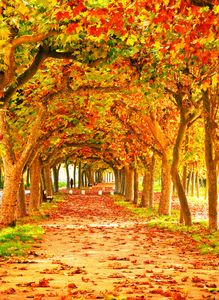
(131, 84)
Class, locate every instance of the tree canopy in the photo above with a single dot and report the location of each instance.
(115, 80)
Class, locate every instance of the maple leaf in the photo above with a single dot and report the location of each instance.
(71, 27)
(78, 9)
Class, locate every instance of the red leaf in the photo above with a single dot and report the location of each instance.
(179, 29)
(59, 16)
(43, 283)
(85, 279)
(196, 279)
(77, 10)
(184, 279)
(72, 286)
(10, 291)
(178, 296)
(95, 31)
(71, 27)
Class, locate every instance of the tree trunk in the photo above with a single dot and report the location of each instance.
(197, 184)
(79, 175)
(14, 165)
(184, 183)
(184, 178)
(148, 183)
(48, 180)
(55, 170)
(74, 174)
(12, 181)
(84, 179)
(35, 187)
(193, 182)
(152, 169)
(67, 175)
(117, 185)
(135, 201)
(166, 188)
(90, 174)
(129, 187)
(21, 207)
(28, 177)
(189, 182)
(210, 162)
(175, 175)
(145, 192)
(123, 181)
(1, 179)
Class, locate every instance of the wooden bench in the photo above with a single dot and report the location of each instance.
(46, 198)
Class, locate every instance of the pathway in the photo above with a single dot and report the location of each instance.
(93, 248)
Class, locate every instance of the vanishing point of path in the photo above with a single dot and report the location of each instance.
(93, 248)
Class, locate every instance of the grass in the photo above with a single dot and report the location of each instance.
(44, 213)
(16, 241)
(62, 184)
(208, 243)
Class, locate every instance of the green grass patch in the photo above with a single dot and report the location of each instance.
(140, 211)
(207, 242)
(44, 212)
(62, 184)
(16, 241)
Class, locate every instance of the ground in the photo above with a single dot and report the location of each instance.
(94, 249)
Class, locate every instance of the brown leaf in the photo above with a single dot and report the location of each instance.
(211, 285)
(85, 279)
(9, 291)
(72, 286)
(196, 279)
(43, 283)
(184, 279)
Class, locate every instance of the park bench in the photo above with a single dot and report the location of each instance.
(46, 198)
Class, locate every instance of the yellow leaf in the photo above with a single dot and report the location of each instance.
(131, 40)
(157, 7)
(4, 33)
(215, 80)
(23, 9)
(205, 85)
(216, 9)
(157, 45)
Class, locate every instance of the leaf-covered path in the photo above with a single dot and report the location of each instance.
(93, 248)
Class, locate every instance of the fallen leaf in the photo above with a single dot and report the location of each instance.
(72, 286)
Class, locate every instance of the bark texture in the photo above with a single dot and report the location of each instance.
(35, 186)
(129, 183)
(21, 207)
(175, 174)
(166, 188)
(14, 165)
(48, 180)
(135, 200)
(210, 162)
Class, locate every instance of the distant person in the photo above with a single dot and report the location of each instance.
(71, 183)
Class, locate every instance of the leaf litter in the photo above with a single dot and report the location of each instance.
(95, 249)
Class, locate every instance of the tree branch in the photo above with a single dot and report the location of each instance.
(203, 3)
(25, 76)
(10, 54)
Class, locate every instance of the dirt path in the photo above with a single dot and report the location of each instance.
(93, 248)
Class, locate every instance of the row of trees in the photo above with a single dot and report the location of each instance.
(122, 82)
